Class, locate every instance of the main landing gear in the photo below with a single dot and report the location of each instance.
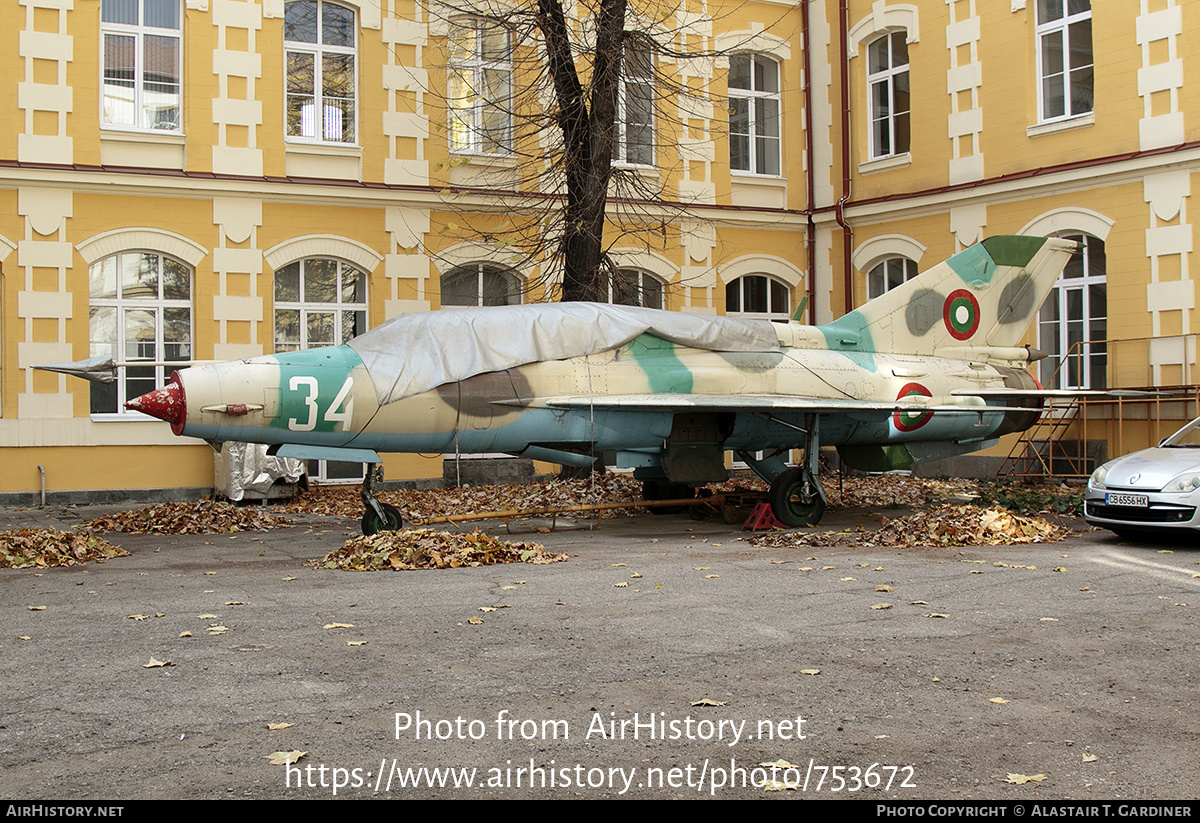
(796, 496)
(377, 517)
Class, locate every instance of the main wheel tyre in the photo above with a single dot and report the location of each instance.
(372, 524)
(795, 502)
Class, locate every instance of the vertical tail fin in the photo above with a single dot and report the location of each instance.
(984, 296)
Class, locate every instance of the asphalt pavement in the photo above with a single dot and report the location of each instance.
(665, 658)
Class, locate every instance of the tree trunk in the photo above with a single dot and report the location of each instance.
(589, 134)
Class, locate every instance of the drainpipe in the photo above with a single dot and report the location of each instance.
(42, 472)
(840, 210)
(810, 171)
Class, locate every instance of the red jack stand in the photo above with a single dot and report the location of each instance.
(762, 518)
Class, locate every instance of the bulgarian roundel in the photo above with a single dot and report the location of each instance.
(961, 314)
(907, 421)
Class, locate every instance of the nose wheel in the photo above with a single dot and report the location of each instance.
(377, 517)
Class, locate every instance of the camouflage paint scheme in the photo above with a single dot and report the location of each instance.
(934, 366)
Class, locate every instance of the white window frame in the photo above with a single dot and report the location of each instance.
(642, 285)
(468, 130)
(628, 84)
(512, 289)
(306, 131)
(140, 32)
(306, 307)
(128, 300)
(1083, 280)
(771, 311)
(761, 149)
(889, 273)
(1061, 29)
(888, 80)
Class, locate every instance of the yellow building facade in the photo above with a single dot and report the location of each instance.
(194, 180)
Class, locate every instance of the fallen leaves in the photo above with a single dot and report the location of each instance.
(421, 504)
(22, 548)
(1021, 779)
(189, 517)
(157, 664)
(284, 758)
(942, 526)
(407, 549)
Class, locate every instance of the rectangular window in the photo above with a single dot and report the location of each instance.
(888, 95)
(635, 111)
(754, 144)
(319, 60)
(479, 89)
(1065, 64)
(141, 64)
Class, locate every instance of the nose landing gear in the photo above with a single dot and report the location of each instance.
(377, 516)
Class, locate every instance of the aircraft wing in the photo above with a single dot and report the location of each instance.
(1036, 393)
(740, 402)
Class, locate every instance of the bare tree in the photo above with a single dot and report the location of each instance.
(576, 96)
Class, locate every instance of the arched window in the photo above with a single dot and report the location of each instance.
(140, 309)
(754, 144)
(479, 284)
(634, 287)
(758, 297)
(887, 94)
(318, 302)
(888, 274)
(320, 47)
(1073, 322)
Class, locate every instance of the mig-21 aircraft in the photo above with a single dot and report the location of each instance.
(931, 369)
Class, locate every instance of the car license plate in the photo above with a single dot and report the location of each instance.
(1139, 500)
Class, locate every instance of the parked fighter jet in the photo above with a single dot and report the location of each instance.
(931, 369)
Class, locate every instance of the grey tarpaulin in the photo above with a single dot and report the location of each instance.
(414, 353)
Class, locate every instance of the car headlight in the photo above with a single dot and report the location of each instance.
(1096, 481)
(1186, 482)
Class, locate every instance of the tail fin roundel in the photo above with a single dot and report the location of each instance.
(983, 297)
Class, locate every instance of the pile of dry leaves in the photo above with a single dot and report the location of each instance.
(420, 504)
(192, 517)
(940, 526)
(20, 548)
(430, 549)
(889, 491)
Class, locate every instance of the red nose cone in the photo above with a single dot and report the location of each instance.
(165, 404)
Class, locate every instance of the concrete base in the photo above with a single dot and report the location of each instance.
(973, 466)
(89, 497)
(481, 471)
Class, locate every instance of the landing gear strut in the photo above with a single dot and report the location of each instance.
(377, 517)
(796, 496)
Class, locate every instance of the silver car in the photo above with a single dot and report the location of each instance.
(1151, 490)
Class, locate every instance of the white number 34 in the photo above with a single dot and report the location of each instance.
(334, 414)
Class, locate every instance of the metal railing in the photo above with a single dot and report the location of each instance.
(1064, 443)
